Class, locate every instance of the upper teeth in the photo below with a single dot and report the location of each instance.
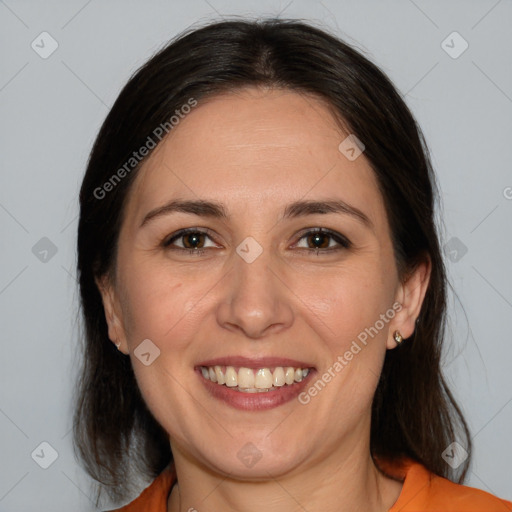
(249, 379)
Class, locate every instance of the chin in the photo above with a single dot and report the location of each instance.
(254, 461)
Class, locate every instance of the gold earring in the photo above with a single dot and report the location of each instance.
(398, 338)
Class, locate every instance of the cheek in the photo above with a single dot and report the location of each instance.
(159, 306)
(344, 308)
(154, 302)
(165, 303)
(343, 302)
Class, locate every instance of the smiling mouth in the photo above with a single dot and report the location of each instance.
(254, 380)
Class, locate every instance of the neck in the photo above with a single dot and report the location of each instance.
(347, 481)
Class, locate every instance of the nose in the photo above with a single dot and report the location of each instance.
(256, 298)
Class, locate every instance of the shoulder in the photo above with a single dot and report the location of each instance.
(155, 496)
(464, 498)
(424, 491)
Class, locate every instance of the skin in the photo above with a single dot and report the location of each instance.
(255, 151)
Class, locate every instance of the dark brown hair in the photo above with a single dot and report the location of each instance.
(413, 412)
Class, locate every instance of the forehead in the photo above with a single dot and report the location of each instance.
(255, 146)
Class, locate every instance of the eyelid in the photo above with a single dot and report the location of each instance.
(185, 231)
(340, 239)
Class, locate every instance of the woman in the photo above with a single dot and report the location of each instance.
(262, 286)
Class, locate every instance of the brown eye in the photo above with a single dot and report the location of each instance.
(318, 241)
(325, 241)
(192, 240)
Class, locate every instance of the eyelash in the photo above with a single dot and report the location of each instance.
(343, 242)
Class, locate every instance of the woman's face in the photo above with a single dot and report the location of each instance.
(260, 284)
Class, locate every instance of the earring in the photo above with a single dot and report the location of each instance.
(398, 338)
(118, 345)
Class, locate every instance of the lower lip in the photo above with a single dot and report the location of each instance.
(255, 401)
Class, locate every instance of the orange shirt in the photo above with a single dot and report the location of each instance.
(422, 491)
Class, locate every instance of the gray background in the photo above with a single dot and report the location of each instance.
(51, 110)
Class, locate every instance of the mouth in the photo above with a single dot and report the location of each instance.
(254, 380)
(254, 384)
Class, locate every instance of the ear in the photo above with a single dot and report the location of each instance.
(410, 295)
(113, 316)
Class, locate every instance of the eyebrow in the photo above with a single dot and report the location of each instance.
(302, 208)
